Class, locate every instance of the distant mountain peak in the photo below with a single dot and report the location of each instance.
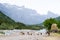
(51, 14)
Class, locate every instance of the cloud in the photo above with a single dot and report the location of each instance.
(41, 6)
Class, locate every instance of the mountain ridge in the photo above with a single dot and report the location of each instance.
(5, 18)
(24, 15)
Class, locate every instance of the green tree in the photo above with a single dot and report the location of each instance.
(19, 25)
(58, 24)
(48, 22)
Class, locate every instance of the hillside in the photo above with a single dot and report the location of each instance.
(5, 21)
(58, 18)
(4, 18)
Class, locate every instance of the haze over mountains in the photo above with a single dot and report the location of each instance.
(24, 15)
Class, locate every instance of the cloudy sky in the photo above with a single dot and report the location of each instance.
(41, 6)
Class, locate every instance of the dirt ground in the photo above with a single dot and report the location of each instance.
(29, 37)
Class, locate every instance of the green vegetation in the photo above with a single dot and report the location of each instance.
(58, 19)
(35, 27)
(48, 22)
(6, 22)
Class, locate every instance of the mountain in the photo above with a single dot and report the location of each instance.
(58, 18)
(8, 23)
(4, 18)
(24, 15)
(5, 22)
